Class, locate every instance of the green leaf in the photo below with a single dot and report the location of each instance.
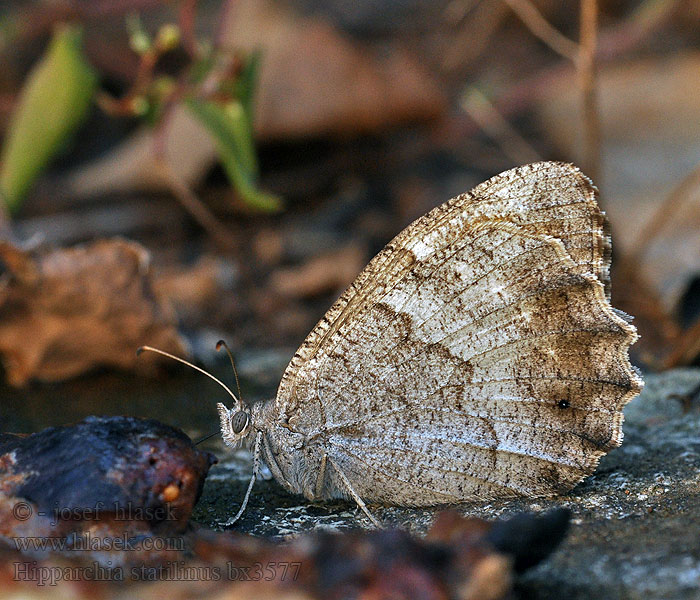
(245, 89)
(54, 101)
(230, 126)
(201, 67)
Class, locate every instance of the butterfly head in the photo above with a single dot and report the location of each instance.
(235, 423)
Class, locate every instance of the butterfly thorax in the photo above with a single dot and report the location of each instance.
(283, 449)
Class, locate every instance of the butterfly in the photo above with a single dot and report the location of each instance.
(477, 356)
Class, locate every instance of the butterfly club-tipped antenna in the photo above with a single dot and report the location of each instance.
(234, 424)
(206, 437)
(222, 344)
(237, 402)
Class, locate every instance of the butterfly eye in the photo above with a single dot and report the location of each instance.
(239, 421)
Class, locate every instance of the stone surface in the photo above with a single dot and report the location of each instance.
(635, 521)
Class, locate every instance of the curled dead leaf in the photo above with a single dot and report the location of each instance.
(64, 311)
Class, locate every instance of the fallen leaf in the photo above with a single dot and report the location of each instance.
(65, 311)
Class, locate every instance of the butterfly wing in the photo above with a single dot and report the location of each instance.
(477, 355)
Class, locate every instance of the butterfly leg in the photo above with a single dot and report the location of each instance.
(351, 491)
(321, 476)
(256, 468)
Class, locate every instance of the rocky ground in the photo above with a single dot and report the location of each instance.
(635, 522)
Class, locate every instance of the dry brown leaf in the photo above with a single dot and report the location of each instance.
(65, 311)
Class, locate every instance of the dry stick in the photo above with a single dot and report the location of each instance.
(662, 215)
(687, 343)
(224, 23)
(614, 41)
(587, 80)
(189, 200)
(540, 28)
(186, 20)
(475, 36)
(687, 348)
(627, 35)
(583, 57)
(144, 75)
(512, 144)
(486, 115)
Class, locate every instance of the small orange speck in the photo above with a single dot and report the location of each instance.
(170, 492)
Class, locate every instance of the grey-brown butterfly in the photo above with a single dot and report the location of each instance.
(477, 356)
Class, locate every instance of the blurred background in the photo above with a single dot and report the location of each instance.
(176, 172)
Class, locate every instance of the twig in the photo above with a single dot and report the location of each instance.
(663, 214)
(474, 36)
(587, 80)
(189, 200)
(186, 19)
(614, 42)
(685, 344)
(513, 145)
(687, 347)
(582, 55)
(540, 28)
(625, 36)
(224, 23)
(124, 106)
(521, 95)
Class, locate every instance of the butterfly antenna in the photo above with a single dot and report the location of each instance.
(206, 437)
(189, 364)
(219, 345)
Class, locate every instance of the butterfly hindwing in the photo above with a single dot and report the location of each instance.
(477, 355)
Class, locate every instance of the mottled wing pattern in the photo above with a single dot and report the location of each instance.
(477, 355)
